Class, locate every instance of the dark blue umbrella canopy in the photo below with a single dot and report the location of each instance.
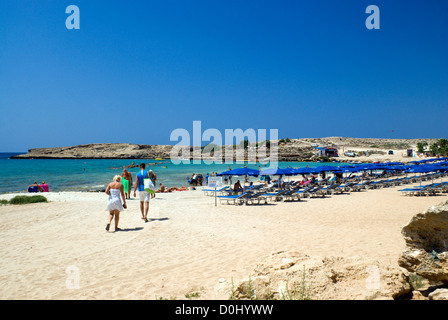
(400, 167)
(422, 168)
(327, 168)
(276, 171)
(304, 170)
(366, 166)
(347, 169)
(439, 167)
(241, 172)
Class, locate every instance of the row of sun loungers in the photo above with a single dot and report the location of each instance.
(257, 194)
(251, 197)
(426, 190)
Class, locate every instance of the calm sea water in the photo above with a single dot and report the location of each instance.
(84, 174)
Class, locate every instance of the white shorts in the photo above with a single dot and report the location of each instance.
(144, 196)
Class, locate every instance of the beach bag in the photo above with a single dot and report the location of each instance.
(149, 186)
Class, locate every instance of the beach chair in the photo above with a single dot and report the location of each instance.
(330, 189)
(375, 184)
(253, 187)
(209, 192)
(344, 188)
(416, 191)
(444, 187)
(361, 186)
(252, 198)
(290, 194)
(276, 196)
(406, 180)
(233, 198)
(305, 193)
(431, 191)
(392, 182)
(316, 192)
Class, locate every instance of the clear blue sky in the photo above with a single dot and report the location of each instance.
(136, 70)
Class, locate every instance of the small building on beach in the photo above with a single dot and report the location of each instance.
(328, 151)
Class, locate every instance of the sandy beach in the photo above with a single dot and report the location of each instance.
(189, 245)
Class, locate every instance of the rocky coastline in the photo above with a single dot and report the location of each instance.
(302, 150)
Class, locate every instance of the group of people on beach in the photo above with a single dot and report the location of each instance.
(35, 187)
(196, 179)
(119, 190)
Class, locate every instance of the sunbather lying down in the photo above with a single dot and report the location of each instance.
(163, 189)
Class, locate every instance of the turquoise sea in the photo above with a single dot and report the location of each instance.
(85, 174)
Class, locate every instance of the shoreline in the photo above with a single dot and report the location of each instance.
(99, 185)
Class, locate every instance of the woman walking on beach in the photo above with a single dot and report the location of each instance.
(153, 178)
(114, 190)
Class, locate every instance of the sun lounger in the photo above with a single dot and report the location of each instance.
(316, 192)
(361, 186)
(376, 184)
(426, 190)
(212, 191)
(344, 188)
(253, 187)
(233, 198)
(276, 196)
(252, 198)
(330, 189)
(305, 193)
(291, 194)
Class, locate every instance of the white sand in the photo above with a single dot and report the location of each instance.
(189, 244)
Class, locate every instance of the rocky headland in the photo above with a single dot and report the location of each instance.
(288, 150)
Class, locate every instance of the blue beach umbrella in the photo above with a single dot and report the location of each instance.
(304, 170)
(419, 169)
(365, 166)
(276, 171)
(240, 172)
(345, 170)
(393, 163)
(327, 168)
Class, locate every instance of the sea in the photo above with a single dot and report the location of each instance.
(95, 174)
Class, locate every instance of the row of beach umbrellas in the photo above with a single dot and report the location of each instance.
(391, 166)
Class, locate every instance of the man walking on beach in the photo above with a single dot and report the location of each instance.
(143, 195)
(128, 177)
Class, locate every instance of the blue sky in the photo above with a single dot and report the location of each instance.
(137, 70)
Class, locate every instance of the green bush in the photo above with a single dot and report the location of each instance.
(3, 202)
(27, 199)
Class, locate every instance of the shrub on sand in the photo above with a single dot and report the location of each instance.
(27, 199)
